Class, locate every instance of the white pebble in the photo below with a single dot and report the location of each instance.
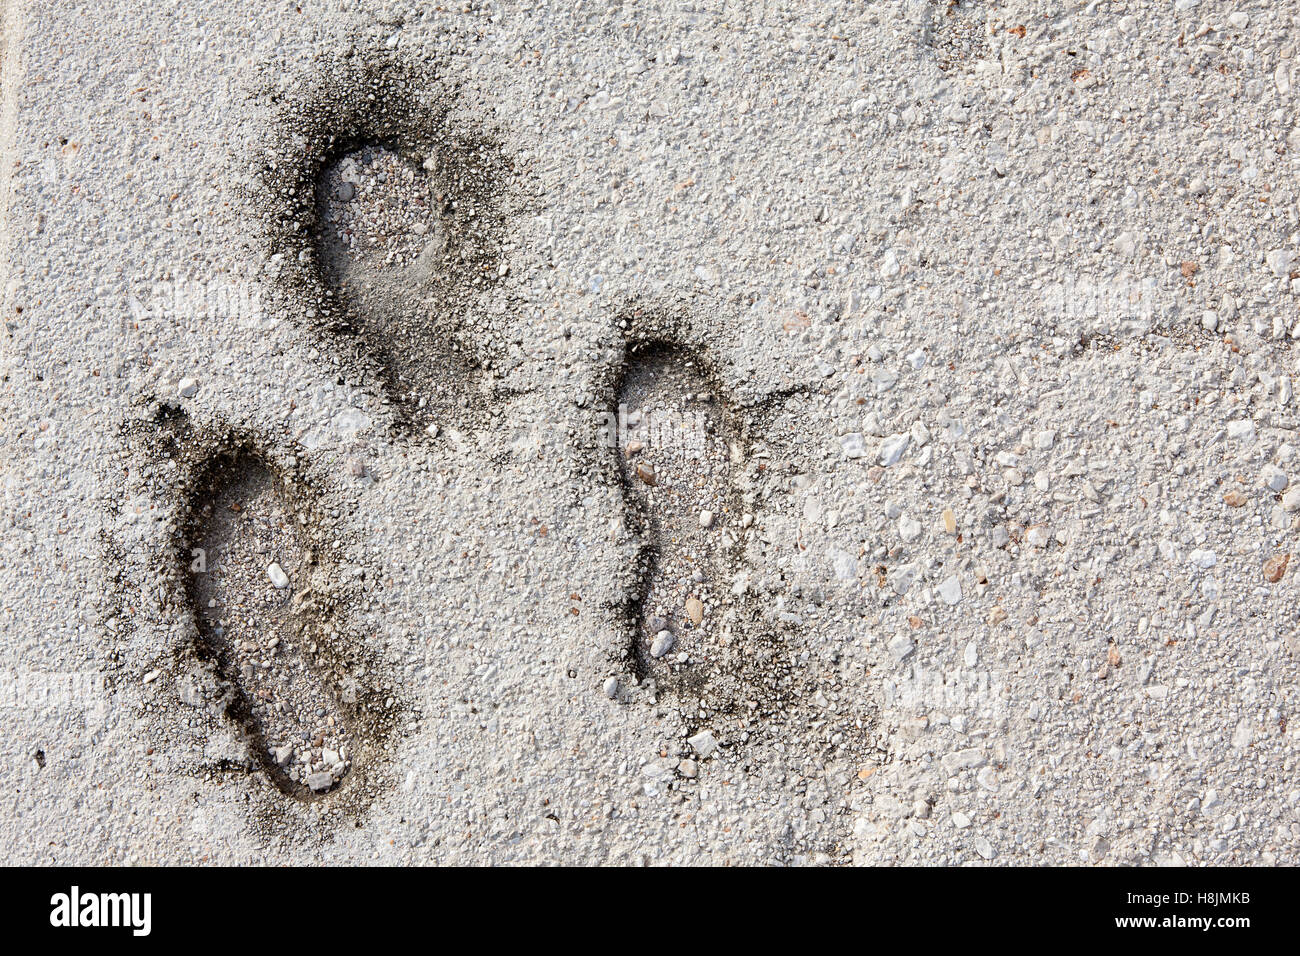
(1274, 478)
(950, 590)
(900, 646)
(1242, 429)
(892, 448)
(1279, 262)
(704, 743)
(853, 445)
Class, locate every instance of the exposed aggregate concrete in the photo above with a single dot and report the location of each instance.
(990, 305)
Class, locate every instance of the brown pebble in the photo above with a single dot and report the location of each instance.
(646, 474)
(1234, 499)
(1275, 567)
(695, 610)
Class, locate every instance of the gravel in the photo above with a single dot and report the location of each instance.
(983, 322)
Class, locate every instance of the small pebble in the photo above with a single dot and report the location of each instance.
(662, 644)
(891, 450)
(1273, 478)
(949, 521)
(695, 610)
(704, 743)
(950, 590)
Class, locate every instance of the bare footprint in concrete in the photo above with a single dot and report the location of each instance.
(255, 612)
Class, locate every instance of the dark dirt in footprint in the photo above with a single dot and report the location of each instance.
(248, 581)
(387, 207)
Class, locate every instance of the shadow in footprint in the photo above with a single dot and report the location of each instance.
(248, 582)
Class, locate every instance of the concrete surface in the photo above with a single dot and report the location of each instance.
(992, 308)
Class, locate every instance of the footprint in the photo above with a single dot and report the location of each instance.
(385, 231)
(249, 584)
(693, 466)
(386, 206)
(679, 456)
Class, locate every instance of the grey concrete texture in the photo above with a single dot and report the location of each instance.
(649, 433)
